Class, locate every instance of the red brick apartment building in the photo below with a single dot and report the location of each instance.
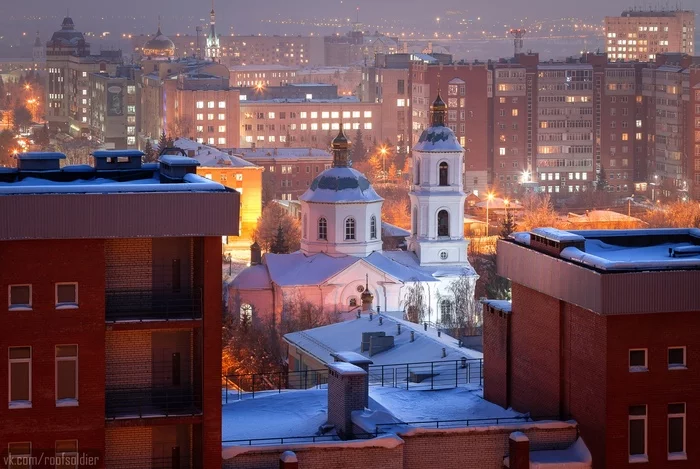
(112, 330)
(603, 328)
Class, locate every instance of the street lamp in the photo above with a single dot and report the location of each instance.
(506, 202)
(383, 151)
(489, 198)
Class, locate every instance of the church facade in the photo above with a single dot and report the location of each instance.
(341, 247)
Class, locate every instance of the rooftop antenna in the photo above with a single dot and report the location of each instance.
(518, 35)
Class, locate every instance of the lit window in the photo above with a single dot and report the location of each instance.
(210, 104)
(676, 431)
(368, 126)
(131, 89)
(676, 358)
(20, 297)
(20, 376)
(325, 126)
(356, 114)
(502, 151)
(210, 141)
(314, 115)
(637, 433)
(222, 128)
(221, 141)
(200, 104)
(210, 117)
(514, 113)
(400, 102)
(638, 360)
(222, 104)
(131, 140)
(314, 126)
(302, 115)
(246, 312)
(368, 114)
(270, 115)
(222, 116)
(200, 117)
(66, 375)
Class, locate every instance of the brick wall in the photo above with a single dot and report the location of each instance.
(462, 448)
(128, 263)
(42, 264)
(584, 374)
(346, 393)
(535, 351)
(129, 361)
(655, 388)
(128, 445)
(496, 324)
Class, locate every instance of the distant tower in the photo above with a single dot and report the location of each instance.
(518, 35)
(213, 47)
(38, 51)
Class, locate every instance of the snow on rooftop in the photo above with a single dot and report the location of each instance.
(393, 230)
(117, 153)
(323, 342)
(340, 185)
(31, 185)
(178, 160)
(501, 305)
(438, 138)
(346, 369)
(285, 153)
(210, 156)
(557, 235)
(298, 269)
(352, 357)
(41, 155)
(254, 277)
(576, 456)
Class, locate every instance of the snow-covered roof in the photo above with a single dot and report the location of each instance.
(40, 155)
(340, 185)
(601, 216)
(178, 160)
(576, 456)
(501, 305)
(281, 153)
(254, 277)
(31, 185)
(627, 250)
(393, 230)
(208, 156)
(299, 269)
(99, 154)
(439, 139)
(322, 342)
(346, 369)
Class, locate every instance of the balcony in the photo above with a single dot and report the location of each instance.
(152, 305)
(152, 402)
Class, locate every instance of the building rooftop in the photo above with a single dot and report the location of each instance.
(208, 156)
(620, 250)
(326, 341)
(281, 153)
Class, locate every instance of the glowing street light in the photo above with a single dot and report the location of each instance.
(383, 151)
(506, 202)
(489, 198)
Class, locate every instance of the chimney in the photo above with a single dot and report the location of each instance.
(255, 254)
(518, 451)
(288, 460)
(348, 391)
(444, 353)
(413, 336)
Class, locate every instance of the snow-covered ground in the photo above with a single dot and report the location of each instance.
(301, 413)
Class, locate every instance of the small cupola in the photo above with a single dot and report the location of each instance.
(115, 160)
(175, 164)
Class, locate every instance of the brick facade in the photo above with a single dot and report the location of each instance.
(42, 264)
(461, 448)
(128, 444)
(497, 353)
(128, 262)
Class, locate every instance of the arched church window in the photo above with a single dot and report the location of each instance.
(373, 227)
(303, 228)
(443, 221)
(322, 228)
(353, 302)
(443, 174)
(417, 172)
(350, 228)
(415, 221)
(246, 312)
(445, 311)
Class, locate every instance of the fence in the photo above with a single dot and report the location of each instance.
(476, 422)
(293, 439)
(163, 305)
(411, 376)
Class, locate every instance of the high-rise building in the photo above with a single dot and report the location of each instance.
(115, 107)
(115, 352)
(69, 64)
(642, 35)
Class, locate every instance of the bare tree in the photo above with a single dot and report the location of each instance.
(298, 314)
(274, 216)
(415, 301)
(181, 127)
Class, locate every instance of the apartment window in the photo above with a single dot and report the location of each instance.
(676, 431)
(131, 89)
(210, 141)
(514, 113)
(373, 227)
(221, 141)
(322, 228)
(66, 375)
(350, 229)
(676, 358)
(66, 295)
(270, 115)
(638, 433)
(20, 297)
(200, 104)
(325, 126)
(210, 117)
(314, 126)
(19, 454)
(222, 104)
(368, 126)
(66, 453)
(638, 360)
(368, 114)
(210, 104)
(400, 102)
(314, 115)
(20, 377)
(222, 117)
(355, 114)
(200, 117)
(222, 128)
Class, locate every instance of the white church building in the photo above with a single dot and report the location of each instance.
(341, 247)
